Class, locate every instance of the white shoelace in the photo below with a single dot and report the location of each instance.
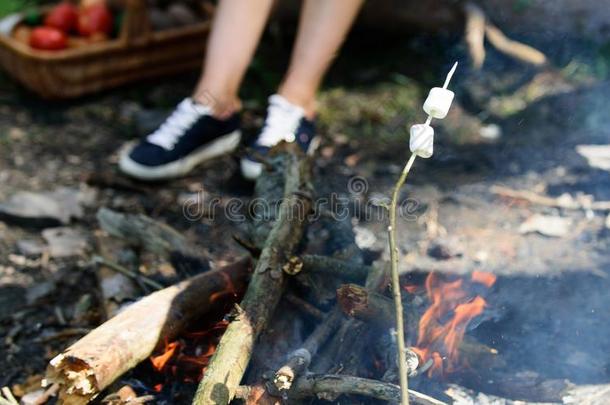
(185, 115)
(282, 121)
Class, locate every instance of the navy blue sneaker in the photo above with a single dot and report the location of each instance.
(284, 122)
(188, 137)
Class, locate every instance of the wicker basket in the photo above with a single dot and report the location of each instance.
(138, 53)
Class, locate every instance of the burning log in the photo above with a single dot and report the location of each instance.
(232, 356)
(99, 358)
(378, 310)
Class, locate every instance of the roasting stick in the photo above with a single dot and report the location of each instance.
(421, 144)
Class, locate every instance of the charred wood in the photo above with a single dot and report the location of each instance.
(299, 360)
(332, 386)
(339, 268)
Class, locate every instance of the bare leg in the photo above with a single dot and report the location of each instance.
(322, 29)
(238, 25)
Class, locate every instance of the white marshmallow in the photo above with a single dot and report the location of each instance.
(422, 140)
(438, 102)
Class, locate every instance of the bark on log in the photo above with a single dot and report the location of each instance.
(331, 266)
(332, 386)
(368, 306)
(99, 358)
(233, 353)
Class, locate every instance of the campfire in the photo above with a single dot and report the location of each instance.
(289, 323)
(452, 305)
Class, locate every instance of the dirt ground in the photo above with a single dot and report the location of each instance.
(512, 126)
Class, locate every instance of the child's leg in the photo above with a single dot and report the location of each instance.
(206, 125)
(238, 25)
(322, 28)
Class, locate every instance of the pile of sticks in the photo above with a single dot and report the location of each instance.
(308, 325)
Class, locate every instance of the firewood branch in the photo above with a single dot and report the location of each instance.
(299, 360)
(331, 266)
(368, 306)
(515, 49)
(478, 28)
(113, 348)
(232, 356)
(475, 34)
(332, 386)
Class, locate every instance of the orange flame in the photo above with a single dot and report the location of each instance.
(481, 277)
(443, 325)
(191, 358)
(159, 362)
(188, 358)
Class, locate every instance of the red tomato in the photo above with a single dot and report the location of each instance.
(48, 38)
(64, 17)
(95, 19)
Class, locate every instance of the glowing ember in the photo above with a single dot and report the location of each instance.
(443, 325)
(188, 358)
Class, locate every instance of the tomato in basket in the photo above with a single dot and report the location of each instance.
(63, 16)
(95, 19)
(48, 38)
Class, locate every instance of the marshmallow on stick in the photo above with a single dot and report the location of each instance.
(437, 106)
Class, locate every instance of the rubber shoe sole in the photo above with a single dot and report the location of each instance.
(180, 167)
